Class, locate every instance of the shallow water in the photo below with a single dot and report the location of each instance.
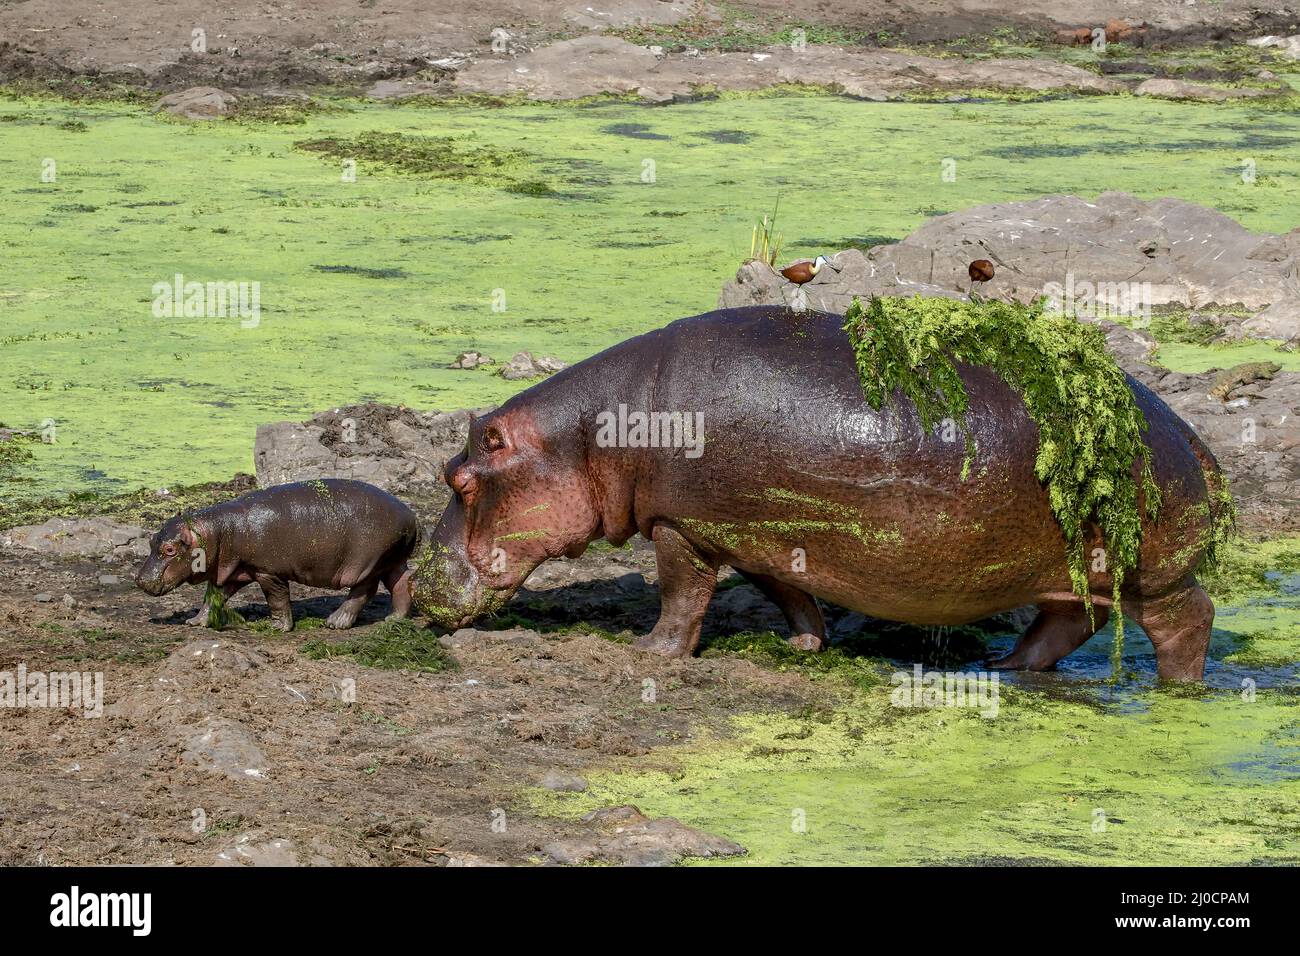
(1071, 768)
(369, 288)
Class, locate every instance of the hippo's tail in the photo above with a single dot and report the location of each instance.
(1222, 506)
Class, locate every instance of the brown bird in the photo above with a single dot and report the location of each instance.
(981, 270)
(804, 271)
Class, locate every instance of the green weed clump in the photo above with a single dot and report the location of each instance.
(432, 157)
(390, 645)
(1090, 428)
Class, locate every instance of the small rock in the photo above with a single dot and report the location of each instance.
(69, 601)
(471, 360)
(198, 103)
(624, 835)
(226, 747)
(1184, 90)
(44, 598)
(564, 782)
(525, 366)
(108, 580)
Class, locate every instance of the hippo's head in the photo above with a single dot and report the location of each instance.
(519, 496)
(171, 560)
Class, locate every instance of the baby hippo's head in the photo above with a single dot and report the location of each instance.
(176, 557)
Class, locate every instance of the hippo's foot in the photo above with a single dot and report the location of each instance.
(806, 642)
(200, 619)
(341, 619)
(802, 613)
(1179, 626)
(1059, 629)
(346, 614)
(667, 642)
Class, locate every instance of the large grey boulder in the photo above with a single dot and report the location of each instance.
(594, 64)
(386, 445)
(79, 537)
(1166, 251)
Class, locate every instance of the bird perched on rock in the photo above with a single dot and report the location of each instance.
(981, 270)
(804, 271)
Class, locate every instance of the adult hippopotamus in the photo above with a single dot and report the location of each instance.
(758, 451)
(328, 533)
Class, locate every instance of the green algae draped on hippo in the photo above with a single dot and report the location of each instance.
(741, 437)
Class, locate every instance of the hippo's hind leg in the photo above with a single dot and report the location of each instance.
(276, 591)
(807, 626)
(1179, 625)
(1060, 628)
(686, 583)
(228, 590)
(346, 613)
(398, 582)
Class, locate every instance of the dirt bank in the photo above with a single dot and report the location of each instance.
(248, 44)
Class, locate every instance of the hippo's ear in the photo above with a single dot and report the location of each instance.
(494, 438)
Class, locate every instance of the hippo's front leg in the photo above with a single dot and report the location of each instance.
(686, 582)
(276, 591)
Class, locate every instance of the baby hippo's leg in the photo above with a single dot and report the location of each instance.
(357, 599)
(398, 582)
(277, 601)
(229, 590)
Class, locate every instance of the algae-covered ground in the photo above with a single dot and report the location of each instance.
(1069, 769)
(560, 229)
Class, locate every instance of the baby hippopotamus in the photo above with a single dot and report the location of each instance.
(328, 533)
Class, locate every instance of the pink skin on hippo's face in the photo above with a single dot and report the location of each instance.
(519, 499)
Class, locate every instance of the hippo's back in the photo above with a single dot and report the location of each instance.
(795, 458)
(319, 532)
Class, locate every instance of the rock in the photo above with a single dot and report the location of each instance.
(1185, 90)
(68, 601)
(617, 14)
(1113, 250)
(198, 103)
(1288, 47)
(108, 580)
(212, 658)
(524, 366)
(226, 747)
(79, 537)
(625, 836)
(392, 447)
(1281, 320)
(1247, 373)
(43, 598)
(457, 858)
(471, 360)
(248, 851)
(564, 782)
(589, 65)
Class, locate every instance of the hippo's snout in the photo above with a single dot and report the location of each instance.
(446, 586)
(448, 589)
(152, 579)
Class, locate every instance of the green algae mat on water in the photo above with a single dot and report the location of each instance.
(1067, 769)
(593, 223)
